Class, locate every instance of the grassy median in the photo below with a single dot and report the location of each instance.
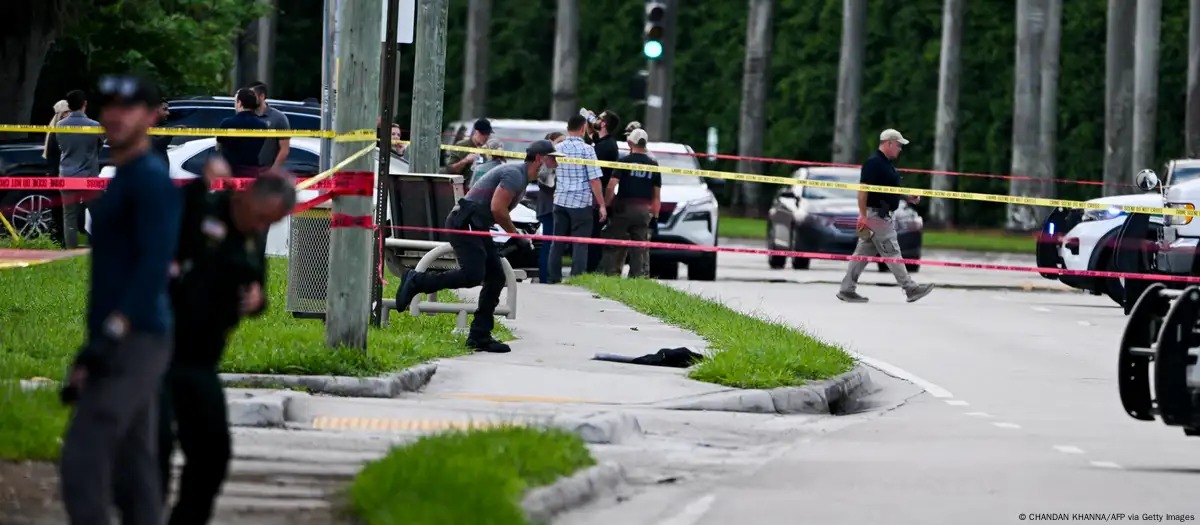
(747, 352)
(42, 311)
(465, 477)
(36, 243)
(971, 240)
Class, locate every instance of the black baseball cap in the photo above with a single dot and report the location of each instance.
(483, 126)
(128, 90)
(542, 147)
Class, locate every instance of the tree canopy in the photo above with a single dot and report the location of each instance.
(187, 43)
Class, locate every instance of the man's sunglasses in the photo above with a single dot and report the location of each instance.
(118, 86)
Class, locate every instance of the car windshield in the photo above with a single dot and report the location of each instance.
(1181, 175)
(813, 192)
(516, 140)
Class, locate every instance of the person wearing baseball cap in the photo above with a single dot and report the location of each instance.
(876, 233)
(485, 205)
(634, 210)
(114, 380)
(459, 162)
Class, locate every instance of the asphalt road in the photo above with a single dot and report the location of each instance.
(1020, 415)
(749, 267)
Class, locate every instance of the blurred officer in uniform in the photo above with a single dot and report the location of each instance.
(876, 233)
(220, 278)
(109, 453)
(487, 204)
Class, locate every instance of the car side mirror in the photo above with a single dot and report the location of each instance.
(1146, 180)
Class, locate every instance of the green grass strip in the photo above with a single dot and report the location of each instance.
(476, 477)
(748, 352)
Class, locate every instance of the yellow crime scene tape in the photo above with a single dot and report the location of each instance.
(362, 135)
(788, 181)
(368, 135)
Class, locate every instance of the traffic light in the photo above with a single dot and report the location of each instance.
(656, 17)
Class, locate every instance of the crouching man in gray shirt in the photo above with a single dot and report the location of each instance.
(487, 204)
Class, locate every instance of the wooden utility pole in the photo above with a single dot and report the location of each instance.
(1048, 120)
(754, 99)
(941, 211)
(566, 61)
(1193, 81)
(475, 67)
(1118, 96)
(1031, 21)
(349, 302)
(850, 72)
(429, 86)
(662, 77)
(1145, 84)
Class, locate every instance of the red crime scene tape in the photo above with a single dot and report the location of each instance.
(816, 255)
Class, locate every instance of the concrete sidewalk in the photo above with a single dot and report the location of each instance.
(559, 329)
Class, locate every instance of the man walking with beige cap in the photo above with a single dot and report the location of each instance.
(876, 234)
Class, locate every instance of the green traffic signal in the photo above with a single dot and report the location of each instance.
(652, 49)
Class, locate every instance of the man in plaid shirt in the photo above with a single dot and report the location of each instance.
(576, 190)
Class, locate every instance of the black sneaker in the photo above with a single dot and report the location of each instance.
(851, 297)
(406, 292)
(917, 293)
(488, 344)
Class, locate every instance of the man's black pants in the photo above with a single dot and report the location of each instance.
(478, 263)
(595, 251)
(192, 398)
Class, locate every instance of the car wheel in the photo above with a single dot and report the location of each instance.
(776, 262)
(912, 268)
(1109, 286)
(882, 267)
(31, 214)
(800, 263)
(704, 269)
(664, 270)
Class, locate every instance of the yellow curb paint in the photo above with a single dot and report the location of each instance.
(518, 399)
(406, 425)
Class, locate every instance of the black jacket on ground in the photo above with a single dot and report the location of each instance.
(215, 262)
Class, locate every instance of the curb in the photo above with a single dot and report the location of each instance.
(267, 410)
(544, 503)
(387, 386)
(819, 397)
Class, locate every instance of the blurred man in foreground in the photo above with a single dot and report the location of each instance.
(109, 453)
(220, 278)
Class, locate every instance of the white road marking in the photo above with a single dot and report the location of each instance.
(1068, 449)
(1007, 425)
(692, 512)
(979, 414)
(1084, 323)
(1040, 309)
(999, 298)
(956, 402)
(900, 373)
(1105, 464)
